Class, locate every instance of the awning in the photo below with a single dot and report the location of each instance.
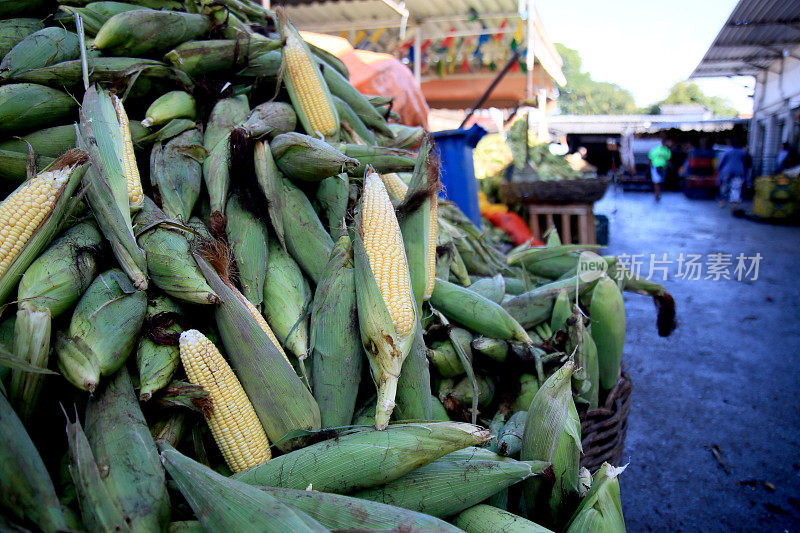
(757, 33)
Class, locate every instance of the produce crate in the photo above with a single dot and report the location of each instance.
(603, 429)
(574, 222)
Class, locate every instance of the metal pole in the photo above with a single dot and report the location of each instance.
(544, 131)
(418, 55)
(530, 58)
(490, 88)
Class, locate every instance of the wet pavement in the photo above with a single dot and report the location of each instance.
(714, 432)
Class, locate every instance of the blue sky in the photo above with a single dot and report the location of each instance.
(644, 46)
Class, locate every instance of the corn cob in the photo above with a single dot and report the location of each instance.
(176, 173)
(132, 476)
(510, 438)
(305, 236)
(227, 114)
(338, 512)
(248, 239)
(266, 65)
(308, 91)
(607, 312)
(553, 434)
(386, 310)
(333, 194)
(28, 489)
(100, 511)
(129, 165)
(157, 354)
(449, 485)
(362, 458)
(528, 387)
(30, 216)
(28, 106)
(95, 14)
(49, 142)
(143, 32)
(331, 59)
(101, 69)
(561, 310)
(305, 158)
(484, 518)
(336, 346)
(352, 124)
(580, 343)
(438, 412)
(174, 104)
(223, 504)
(492, 288)
(197, 58)
(444, 359)
(536, 305)
(108, 182)
(16, 166)
(395, 186)
(458, 394)
(414, 385)
(103, 330)
(270, 181)
(601, 509)
(495, 427)
(270, 119)
(31, 344)
(169, 429)
(40, 49)
(13, 31)
(405, 137)
(382, 159)
(232, 420)
(287, 299)
(281, 401)
(169, 260)
(496, 349)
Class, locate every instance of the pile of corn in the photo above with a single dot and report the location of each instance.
(231, 301)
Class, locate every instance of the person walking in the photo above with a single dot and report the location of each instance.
(732, 169)
(659, 156)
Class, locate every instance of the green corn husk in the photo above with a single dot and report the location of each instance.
(144, 32)
(186, 526)
(176, 172)
(73, 162)
(444, 358)
(107, 187)
(100, 511)
(281, 401)
(365, 413)
(6, 339)
(227, 114)
(476, 312)
(451, 484)
(536, 306)
(484, 518)
(350, 120)
(270, 119)
(306, 239)
(496, 426)
(458, 268)
(169, 429)
(333, 195)
(456, 394)
(13, 31)
(339, 512)
(337, 357)
(509, 442)
(382, 159)
(266, 65)
(103, 330)
(493, 288)
(331, 59)
(580, 343)
(104, 69)
(438, 412)
(168, 106)
(223, 504)
(248, 240)
(553, 434)
(198, 58)
(341, 87)
(132, 475)
(169, 259)
(405, 137)
(31, 344)
(307, 158)
(528, 387)
(607, 312)
(40, 49)
(414, 385)
(158, 355)
(29, 107)
(562, 309)
(376, 100)
(49, 142)
(287, 299)
(95, 14)
(173, 128)
(364, 457)
(270, 181)
(496, 349)
(584, 481)
(12, 8)
(27, 489)
(601, 509)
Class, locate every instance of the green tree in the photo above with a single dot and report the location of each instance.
(685, 92)
(585, 96)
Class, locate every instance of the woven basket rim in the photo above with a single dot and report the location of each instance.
(603, 429)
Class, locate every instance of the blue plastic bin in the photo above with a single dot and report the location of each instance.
(458, 173)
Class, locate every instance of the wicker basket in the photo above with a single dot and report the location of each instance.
(603, 429)
(577, 191)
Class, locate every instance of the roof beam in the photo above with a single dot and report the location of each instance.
(760, 23)
(745, 44)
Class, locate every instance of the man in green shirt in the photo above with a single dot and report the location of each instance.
(659, 155)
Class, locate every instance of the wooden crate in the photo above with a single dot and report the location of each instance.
(574, 222)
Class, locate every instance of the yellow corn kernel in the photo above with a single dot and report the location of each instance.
(383, 244)
(395, 186)
(308, 87)
(432, 235)
(259, 318)
(232, 419)
(25, 210)
(129, 166)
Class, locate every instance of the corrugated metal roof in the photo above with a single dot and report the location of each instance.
(757, 33)
(618, 124)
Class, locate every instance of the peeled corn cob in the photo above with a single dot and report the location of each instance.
(232, 420)
(129, 165)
